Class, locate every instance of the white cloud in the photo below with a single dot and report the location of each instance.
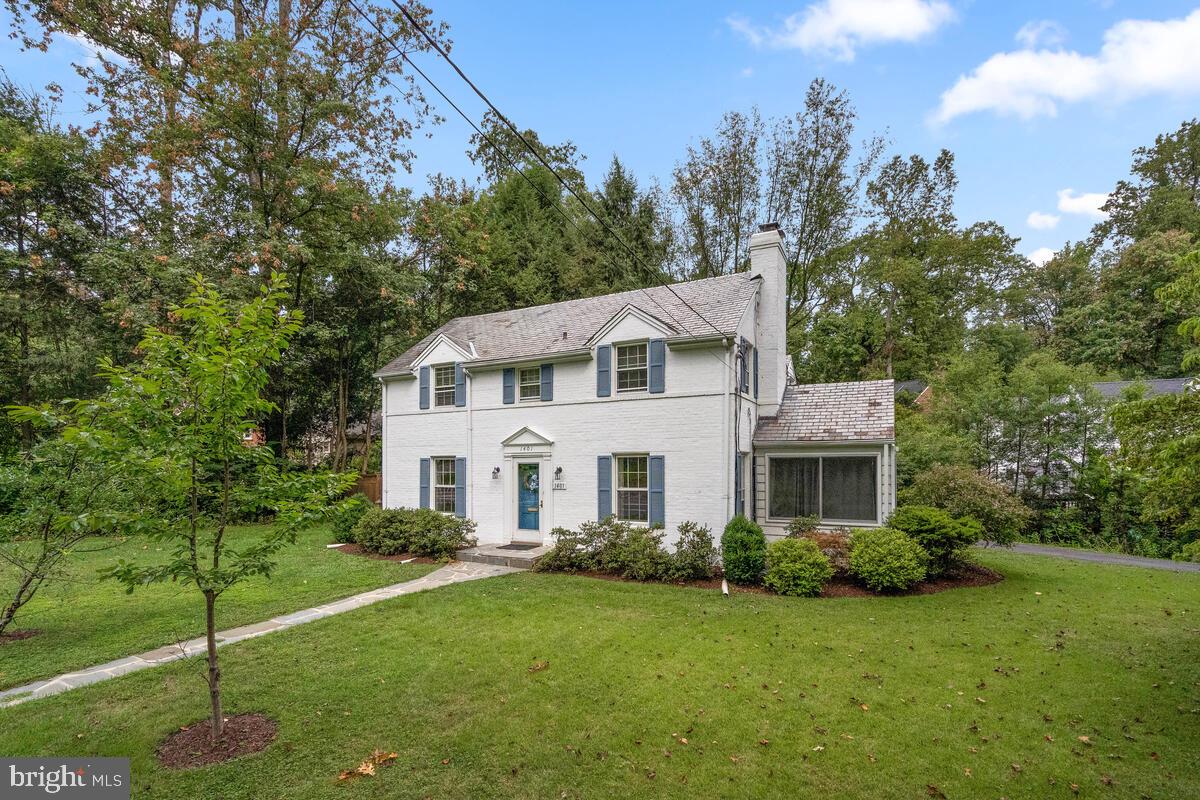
(837, 28)
(93, 51)
(1087, 203)
(748, 72)
(1043, 32)
(1041, 255)
(1138, 58)
(1040, 220)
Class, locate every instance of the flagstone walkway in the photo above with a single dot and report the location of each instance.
(455, 572)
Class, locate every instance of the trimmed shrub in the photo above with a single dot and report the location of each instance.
(568, 553)
(743, 551)
(943, 537)
(886, 560)
(965, 493)
(803, 526)
(346, 517)
(1189, 552)
(834, 545)
(695, 556)
(641, 556)
(381, 530)
(796, 567)
(419, 531)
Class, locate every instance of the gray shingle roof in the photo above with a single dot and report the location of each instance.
(563, 327)
(862, 411)
(1111, 390)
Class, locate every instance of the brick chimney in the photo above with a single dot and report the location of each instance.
(767, 263)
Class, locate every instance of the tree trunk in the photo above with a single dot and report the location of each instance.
(21, 597)
(217, 720)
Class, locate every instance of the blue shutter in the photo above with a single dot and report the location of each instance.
(424, 380)
(424, 495)
(460, 385)
(658, 365)
(510, 385)
(603, 487)
(755, 373)
(604, 370)
(657, 495)
(460, 487)
(739, 507)
(547, 381)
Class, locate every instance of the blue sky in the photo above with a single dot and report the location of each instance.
(1034, 98)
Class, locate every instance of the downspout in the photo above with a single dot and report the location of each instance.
(470, 442)
(383, 442)
(726, 402)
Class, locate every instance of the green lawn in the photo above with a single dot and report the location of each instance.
(977, 692)
(85, 621)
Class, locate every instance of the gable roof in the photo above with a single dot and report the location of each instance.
(567, 326)
(1111, 390)
(861, 411)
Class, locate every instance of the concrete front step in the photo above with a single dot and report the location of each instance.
(493, 554)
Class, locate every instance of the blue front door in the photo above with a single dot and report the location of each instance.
(529, 497)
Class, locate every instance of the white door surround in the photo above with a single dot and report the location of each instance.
(527, 446)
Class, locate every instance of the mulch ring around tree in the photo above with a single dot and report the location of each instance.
(191, 745)
(359, 550)
(16, 636)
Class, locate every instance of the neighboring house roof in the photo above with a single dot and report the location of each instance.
(864, 411)
(1111, 390)
(563, 327)
(914, 387)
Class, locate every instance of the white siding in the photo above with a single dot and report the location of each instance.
(683, 425)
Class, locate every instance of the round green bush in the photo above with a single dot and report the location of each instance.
(796, 567)
(1189, 552)
(348, 515)
(942, 536)
(743, 551)
(886, 560)
(963, 492)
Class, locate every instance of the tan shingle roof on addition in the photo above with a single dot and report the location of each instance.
(540, 331)
(862, 411)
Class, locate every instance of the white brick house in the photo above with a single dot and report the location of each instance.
(657, 405)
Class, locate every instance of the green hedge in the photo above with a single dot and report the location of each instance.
(886, 560)
(744, 551)
(631, 551)
(943, 537)
(419, 531)
(796, 567)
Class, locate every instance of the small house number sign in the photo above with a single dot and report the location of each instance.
(560, 485)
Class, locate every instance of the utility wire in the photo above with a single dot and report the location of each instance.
(538, 155)
(516, 168)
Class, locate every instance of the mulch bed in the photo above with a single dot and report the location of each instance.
(191, 745)
(967, 576)
(359, 550)
(16, 636)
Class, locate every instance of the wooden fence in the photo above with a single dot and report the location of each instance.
(372, 487)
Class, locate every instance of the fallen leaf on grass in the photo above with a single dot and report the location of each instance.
(538, 666)
(1086, 740)
(378, 758)
(934, 791)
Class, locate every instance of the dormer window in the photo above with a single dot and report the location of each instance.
(632, 367)
(530, 379)
(443, 385)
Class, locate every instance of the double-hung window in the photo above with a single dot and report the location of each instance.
(633, 488)
(443, 385)
(443, 485)
(632, 367)
(833, 488)
(530, 380)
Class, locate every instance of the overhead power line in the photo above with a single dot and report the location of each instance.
(536, 152)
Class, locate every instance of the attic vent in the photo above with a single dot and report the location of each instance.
(564, 335)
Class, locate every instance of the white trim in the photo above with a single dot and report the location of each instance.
(420, 361)
(820, 454)
(631, 311)
(616, 484)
